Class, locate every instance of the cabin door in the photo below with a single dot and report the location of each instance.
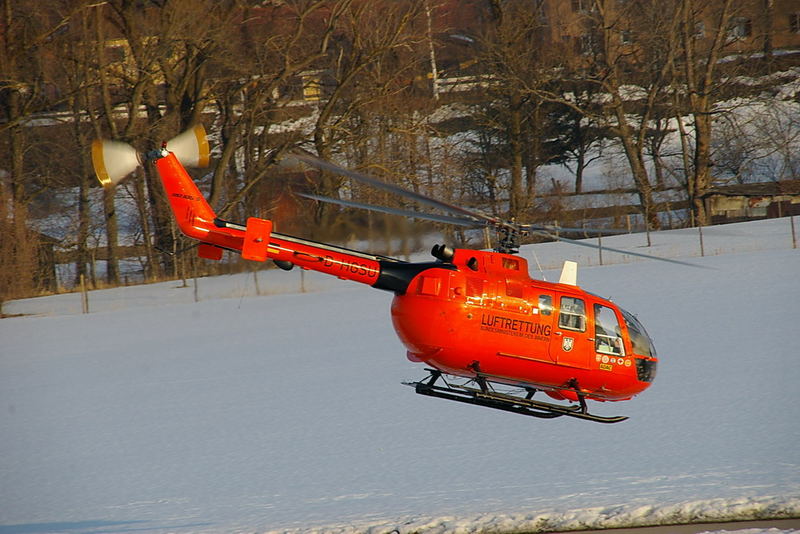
(570, 343)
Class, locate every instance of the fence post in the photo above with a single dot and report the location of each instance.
(600, 247)
(84, 295)
(794, 235)
(255, 277)
(702, 248)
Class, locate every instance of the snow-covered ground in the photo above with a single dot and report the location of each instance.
(285, 412)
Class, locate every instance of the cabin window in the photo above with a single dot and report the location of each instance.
(607, 333)
(573, 314)
(545, 304)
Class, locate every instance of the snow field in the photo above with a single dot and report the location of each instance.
(285, 413)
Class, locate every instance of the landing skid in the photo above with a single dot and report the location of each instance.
(485, 396)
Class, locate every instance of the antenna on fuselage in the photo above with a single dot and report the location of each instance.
(538, 265)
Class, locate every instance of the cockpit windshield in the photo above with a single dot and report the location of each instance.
(642, 344)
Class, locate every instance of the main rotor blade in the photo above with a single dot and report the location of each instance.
(469, 223)
(619, 251)
(555, 229)
(398, 190)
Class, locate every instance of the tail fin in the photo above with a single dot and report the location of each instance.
(113, 161)
(197, 219)
(194, 215)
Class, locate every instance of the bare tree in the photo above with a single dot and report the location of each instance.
(22, 85)
(28, 90)
(75, 79)
(758, 142)
(704, 33)
(275, 47)
(631, 72)
(651, 56)
(163, 51)
(580, 135)
(514, 115)
(365, 65)
(126, 70)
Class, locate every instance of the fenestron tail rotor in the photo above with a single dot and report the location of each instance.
(114, 160)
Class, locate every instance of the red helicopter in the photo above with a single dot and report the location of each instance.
(489, 334)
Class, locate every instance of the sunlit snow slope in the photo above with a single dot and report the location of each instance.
(285, 411)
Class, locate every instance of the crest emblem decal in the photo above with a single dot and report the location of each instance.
(567, 344)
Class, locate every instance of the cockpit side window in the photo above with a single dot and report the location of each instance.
(607, 333)
(642, 344)
(572, 315)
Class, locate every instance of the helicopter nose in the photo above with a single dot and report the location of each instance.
(646, 369)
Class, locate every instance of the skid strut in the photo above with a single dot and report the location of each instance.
(484, 396)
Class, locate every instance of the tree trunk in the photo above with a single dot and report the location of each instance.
(517, 204)
(83, 259)
(699, 78)
(769, 25)
(580, 163)
(112, 235)
(633, 152)
(702, 167)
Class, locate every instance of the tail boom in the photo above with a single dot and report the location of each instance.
(255, 240)
(329, 259)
